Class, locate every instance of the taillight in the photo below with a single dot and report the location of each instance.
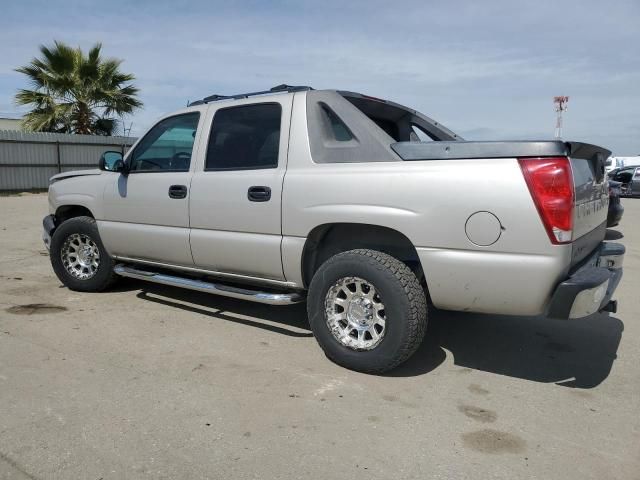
(551, 185)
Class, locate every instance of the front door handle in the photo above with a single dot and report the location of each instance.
(259, 194)
(177, 191)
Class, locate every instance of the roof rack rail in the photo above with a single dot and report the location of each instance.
(277, 89)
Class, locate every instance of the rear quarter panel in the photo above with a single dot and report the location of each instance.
(429, 202)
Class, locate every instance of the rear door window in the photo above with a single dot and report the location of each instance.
(246, 137)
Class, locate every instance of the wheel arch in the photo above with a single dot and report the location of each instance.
(65, 212)
(329, 239)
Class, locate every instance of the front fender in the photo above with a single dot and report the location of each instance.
(83, 191)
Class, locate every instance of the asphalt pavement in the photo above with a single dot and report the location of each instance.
(155, 382)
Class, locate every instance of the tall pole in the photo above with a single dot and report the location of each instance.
(560, 104)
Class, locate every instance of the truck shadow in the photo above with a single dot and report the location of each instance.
(289, 320)
(571, 353)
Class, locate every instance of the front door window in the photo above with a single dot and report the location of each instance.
(167, 147)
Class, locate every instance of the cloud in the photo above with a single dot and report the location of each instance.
(488, 67)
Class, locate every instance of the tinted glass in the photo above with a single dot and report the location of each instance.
(245, 137)
(340, 131)
(167, 146)
(624, 176)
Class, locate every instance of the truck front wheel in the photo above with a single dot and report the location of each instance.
(367, 310)
(78, 257)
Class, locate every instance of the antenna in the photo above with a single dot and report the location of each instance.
(560, 104)
(125, 130)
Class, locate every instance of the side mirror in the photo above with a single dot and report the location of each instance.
(111, 162)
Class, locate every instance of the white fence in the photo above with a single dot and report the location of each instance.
(28, 160)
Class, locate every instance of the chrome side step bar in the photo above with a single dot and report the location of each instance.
(209, 287)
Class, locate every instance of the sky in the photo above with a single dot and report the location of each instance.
(486, 69)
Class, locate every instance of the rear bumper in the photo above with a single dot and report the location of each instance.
(48, 226)
(590, 288)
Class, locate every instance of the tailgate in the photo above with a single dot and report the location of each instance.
(591, 197)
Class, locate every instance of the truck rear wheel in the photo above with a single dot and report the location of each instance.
(367, 310)
(78, 257)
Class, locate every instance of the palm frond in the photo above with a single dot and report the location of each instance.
(105, 126)
(74, 92)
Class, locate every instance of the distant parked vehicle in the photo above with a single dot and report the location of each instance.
(615, 207)
(612, 173)
(614, 163)
(629, 177)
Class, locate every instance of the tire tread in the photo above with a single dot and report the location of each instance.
(416, 320)
(102, 280)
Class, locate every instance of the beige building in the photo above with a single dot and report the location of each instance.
(10, 123)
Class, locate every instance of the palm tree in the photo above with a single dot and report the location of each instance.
(76, 93)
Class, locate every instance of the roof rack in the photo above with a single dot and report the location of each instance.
(276, 89)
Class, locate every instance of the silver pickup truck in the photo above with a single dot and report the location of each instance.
(373, 213)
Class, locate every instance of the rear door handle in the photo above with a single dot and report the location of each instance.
(259, 194)
(177, 191)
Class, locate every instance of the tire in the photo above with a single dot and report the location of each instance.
(76, 233)
(396, 288)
